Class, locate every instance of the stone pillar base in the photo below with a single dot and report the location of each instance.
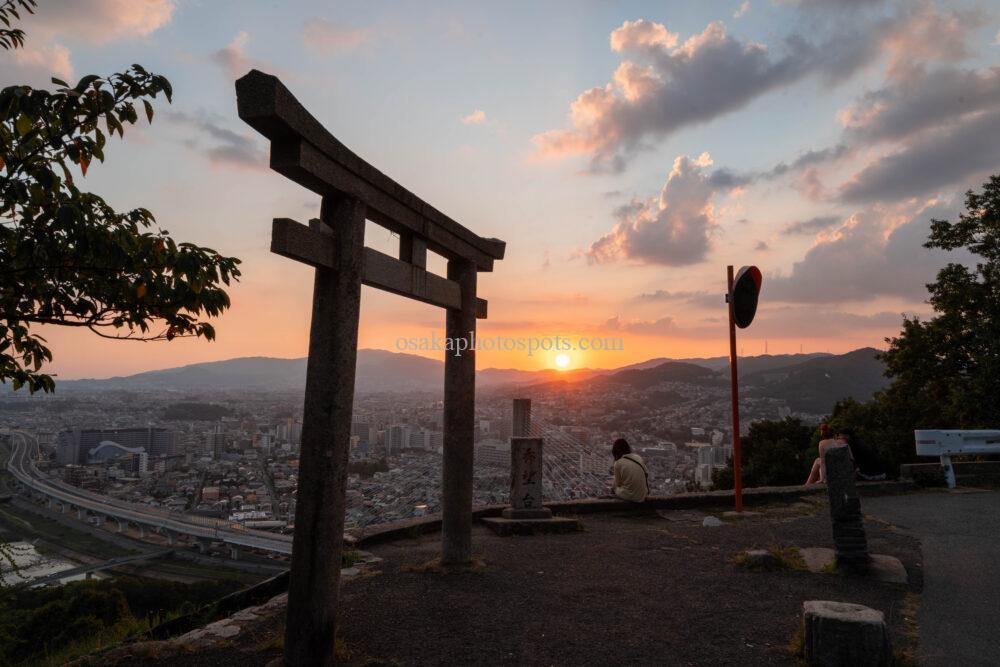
(556, 524)
(537, 513)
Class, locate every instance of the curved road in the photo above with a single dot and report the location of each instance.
(22, 466)
(959, 535)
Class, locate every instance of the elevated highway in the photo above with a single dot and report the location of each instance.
(21, 465)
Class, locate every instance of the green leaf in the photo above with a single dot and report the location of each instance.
(23, 125)
(149, 110)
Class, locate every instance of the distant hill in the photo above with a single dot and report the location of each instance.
(815, 385)
(668, 371)
(763, 362)
(377, 370)
(513, 376)
(808, 382)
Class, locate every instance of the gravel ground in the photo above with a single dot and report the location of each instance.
(636, 589)
(629, 590)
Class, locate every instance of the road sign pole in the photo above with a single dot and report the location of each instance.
(737, 460)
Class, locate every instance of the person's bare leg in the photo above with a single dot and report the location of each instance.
(822, 463)
(814, 473)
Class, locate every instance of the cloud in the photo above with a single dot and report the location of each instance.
(326, 37)
(93, 21)
(672, 229)
(99, 21)
(761, 246)
(709, 74)
(477, 117)
(921, 100)
(811, 322)
(806, 160)
(663, 85)
(781, 322)
(742, 9)
(36, 65)
(222, 146)
(953, 155)
(811, 226)
(660, 327)
(875, 253)
(923, 34)
(664, 295)
(233, 58)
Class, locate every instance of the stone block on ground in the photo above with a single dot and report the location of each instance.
(881, 567)
(711, 522)
(842, 634)
(818, 559)
(888, 569)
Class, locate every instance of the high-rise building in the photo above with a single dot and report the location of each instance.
(397, 439)
(218, 442)
(75, 446)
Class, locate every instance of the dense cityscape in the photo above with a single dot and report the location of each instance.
(233, 456)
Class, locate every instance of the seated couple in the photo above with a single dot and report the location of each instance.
(631, 477)
(865, 465)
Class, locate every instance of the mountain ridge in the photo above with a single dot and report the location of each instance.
(806, 381)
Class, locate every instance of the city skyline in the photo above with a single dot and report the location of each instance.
(626, 153)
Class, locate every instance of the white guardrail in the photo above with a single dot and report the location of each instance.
(945, 444)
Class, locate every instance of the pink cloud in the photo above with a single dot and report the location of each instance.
(324, 36)
(672, 229)
(100, 21)
(477, 117)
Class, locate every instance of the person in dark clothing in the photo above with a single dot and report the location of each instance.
(867, 466)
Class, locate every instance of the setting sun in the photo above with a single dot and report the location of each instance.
(562, 360)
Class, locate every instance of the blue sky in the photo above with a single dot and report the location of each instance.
(617, 224)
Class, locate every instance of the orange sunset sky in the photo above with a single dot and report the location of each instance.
(626, 152)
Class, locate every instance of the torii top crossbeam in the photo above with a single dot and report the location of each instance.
(304, 151)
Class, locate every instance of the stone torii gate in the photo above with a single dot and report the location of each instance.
(353, 191)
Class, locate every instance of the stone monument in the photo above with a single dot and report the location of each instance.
(527, 513)
(849, 538)
(526, 501)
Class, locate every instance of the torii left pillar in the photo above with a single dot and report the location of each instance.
(326, 435)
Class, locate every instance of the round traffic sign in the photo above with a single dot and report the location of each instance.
(746, 290)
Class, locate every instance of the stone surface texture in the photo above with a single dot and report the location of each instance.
(845, 510)
(526, 479)
(841, 634)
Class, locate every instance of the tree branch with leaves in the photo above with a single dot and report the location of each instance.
(67, 257)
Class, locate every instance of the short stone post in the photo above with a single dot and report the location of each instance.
(849, 538)
(841, 634)
(521, 423)
(526, 501)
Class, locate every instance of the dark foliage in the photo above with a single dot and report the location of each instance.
(774, 453)
(67, 257)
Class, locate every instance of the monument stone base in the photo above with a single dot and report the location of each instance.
(526, 513)
(553, 525)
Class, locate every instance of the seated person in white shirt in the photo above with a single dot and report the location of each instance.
(631, 481)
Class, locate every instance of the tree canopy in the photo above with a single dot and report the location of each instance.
(67, 257)
(946, 370)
